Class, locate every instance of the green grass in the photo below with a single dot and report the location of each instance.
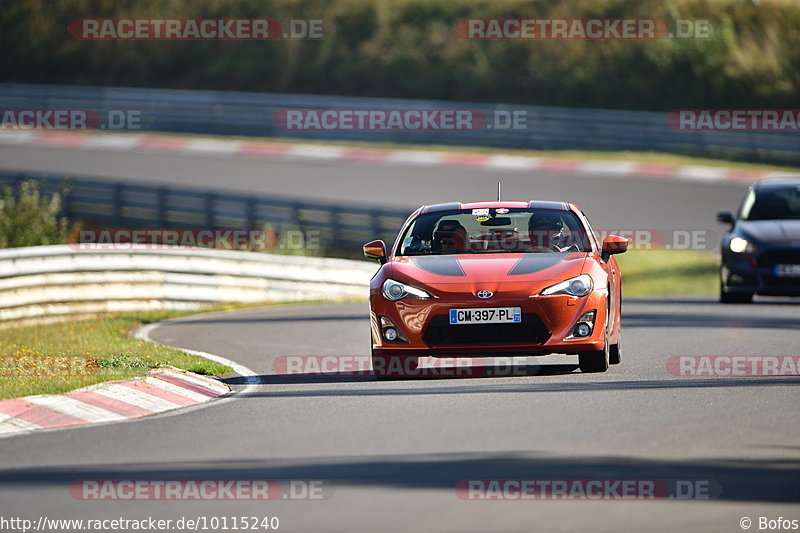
(668, 272)
(105, 349)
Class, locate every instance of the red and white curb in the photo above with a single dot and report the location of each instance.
(161, 390)
(216, 147)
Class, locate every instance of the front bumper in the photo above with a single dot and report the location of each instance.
(549, 319)
(749, 274)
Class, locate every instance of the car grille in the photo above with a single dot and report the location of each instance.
(789, 256)
(441, 333)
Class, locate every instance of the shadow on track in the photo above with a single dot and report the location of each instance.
(400, 387)
(698, 320)
(740, 479)
(442, 373)
(238, 319)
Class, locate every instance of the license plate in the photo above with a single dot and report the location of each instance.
(486, 315)
(787, 271)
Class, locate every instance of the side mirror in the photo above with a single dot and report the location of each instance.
(726, 217)
(375, 250)
(614, 244)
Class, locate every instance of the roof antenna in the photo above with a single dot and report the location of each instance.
(498, 191)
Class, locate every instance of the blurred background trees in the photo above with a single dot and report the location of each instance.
(407, 48)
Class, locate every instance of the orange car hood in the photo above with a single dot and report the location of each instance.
(435, 270)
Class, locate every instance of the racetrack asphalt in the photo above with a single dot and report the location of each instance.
(391, 453)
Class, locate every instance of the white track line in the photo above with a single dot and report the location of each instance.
(414, 157)
(17, 137)
(699, 173)
(251, 378)
(310, 151)
(212, 147)
(608, 167)
(511, 162)
(117, 142)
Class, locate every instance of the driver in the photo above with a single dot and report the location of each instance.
(546, 230)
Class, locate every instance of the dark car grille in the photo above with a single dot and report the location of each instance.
(441, 333)
(789, 256)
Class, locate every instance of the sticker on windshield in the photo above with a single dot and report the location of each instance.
(501, 211)
(480, 212)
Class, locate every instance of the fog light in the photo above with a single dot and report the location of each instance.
(390, 334)
(583, 330)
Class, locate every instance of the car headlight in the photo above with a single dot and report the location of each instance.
(739, 245)
(394, 291)
(577, 286)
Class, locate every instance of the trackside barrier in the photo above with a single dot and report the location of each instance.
(541, 128)
(116, 204)
(51, 281)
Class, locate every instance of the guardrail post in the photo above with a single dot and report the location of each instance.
(209, 207)
(335, 226)
(116, 204)
(161, 207)
(250, 215)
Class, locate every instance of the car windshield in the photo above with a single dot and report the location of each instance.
(772, 204)
(495, 230)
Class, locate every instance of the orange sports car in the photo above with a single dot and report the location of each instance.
(495, 278)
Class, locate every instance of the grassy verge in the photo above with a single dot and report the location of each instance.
(103, 350)
(668, 272)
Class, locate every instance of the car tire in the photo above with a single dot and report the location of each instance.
(615, 351)
(734, 297)
(394, 366)
(594, 361)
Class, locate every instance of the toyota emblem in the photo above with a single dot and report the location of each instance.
(484, 294)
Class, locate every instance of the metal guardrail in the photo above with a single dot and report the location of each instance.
(241, 113)
(51, 281)
(129, 205)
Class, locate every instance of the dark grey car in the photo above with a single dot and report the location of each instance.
(761, 252)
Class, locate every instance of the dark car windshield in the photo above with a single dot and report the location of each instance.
(772, 204)
(495, 230)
